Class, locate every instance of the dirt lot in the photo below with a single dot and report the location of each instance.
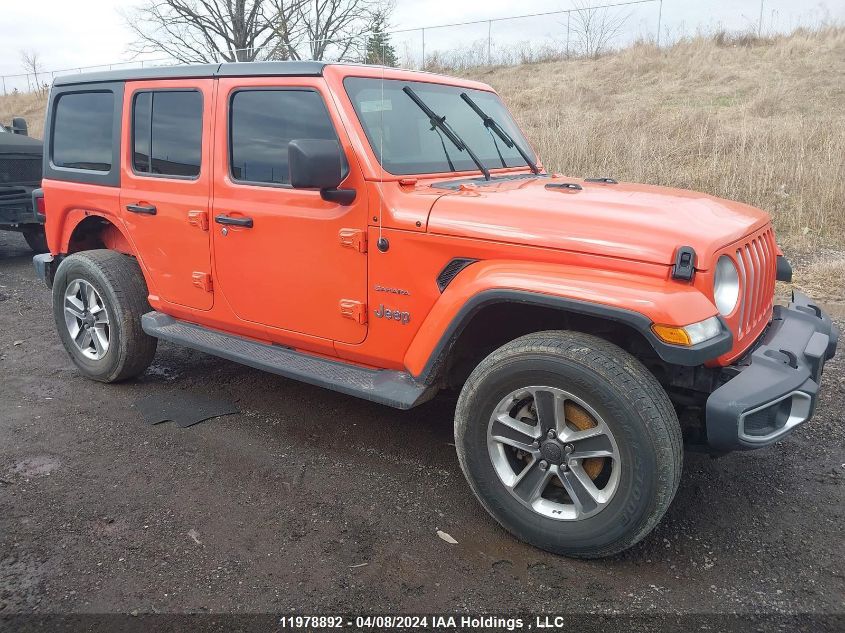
(313, 501)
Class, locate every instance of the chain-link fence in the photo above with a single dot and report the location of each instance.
(575, 32)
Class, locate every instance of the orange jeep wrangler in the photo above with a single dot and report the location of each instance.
(390, 234)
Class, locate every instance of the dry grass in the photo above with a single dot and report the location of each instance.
(29, 105)
(760, 121)
(823, 278)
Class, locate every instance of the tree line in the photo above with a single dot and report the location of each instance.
(206, 31)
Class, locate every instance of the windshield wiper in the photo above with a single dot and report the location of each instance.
(491, 124)
(438, 122)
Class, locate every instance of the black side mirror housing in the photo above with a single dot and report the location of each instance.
(19, 126)
(319, 164)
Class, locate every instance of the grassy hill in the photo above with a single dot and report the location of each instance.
(31, 106)
(757, 120)
(761, 121)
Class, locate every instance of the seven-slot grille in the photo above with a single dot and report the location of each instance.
(756, 262)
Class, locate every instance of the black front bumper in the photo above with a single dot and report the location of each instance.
(774, 388)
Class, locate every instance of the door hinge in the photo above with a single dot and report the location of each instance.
(202, 280)
(354, 238)
(355, 310)
(198, 219)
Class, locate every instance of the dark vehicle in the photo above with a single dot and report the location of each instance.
(20, 173)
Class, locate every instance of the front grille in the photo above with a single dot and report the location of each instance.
(13, 194)
(20, 170)
(756, 262)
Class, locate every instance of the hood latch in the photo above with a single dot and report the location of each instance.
(684, 267)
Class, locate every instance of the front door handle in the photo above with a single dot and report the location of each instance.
(143, 209)
(225, 219)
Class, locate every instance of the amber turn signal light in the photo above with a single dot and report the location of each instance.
(689, 335)
(673, 335)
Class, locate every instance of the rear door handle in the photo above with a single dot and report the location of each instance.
(225, 219)
(143, 209)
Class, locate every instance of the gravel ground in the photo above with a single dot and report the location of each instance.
(313, 501)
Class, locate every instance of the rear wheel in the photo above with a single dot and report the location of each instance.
(36, 239)
(98, 299)
(569, 442)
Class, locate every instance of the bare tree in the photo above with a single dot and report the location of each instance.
(316, 29)
(595, 28)
(31, 60)
(197, 31)
(201, 31)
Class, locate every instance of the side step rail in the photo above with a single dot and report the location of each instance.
(393, 388)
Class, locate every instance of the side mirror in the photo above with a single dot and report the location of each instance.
(319, 164)
(19, 126)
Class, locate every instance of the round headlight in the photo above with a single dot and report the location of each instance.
(726, 285)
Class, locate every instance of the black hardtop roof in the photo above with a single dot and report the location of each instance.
(198, 71)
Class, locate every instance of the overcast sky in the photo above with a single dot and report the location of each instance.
(70, 34)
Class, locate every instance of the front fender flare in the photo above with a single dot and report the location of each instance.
(634, 300)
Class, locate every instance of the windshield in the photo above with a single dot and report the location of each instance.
(401, 134)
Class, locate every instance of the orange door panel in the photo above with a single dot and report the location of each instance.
(165, 185)
(284, 257)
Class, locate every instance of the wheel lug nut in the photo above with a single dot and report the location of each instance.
(552, 434)
(536, 444)
(564, 467)
(544, 464)
(569, 448)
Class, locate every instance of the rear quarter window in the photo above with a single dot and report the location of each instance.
(83, 131)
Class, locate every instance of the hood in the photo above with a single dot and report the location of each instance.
(19, 144)
(630, 221)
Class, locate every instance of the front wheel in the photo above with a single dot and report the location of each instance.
(569, 442)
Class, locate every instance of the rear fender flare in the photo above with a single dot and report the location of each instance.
(112, 236)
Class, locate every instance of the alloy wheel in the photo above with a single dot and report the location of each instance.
(87, 319)
(553, 453)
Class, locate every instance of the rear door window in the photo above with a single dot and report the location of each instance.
(262, 124)
(82, 131)
(167, 133)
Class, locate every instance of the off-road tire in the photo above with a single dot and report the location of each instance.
(36, 239)
(631, 402)
(119, 281)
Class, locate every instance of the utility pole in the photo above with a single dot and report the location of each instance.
(489, 42)
(760, 22)
(568, 19)
(423, 43)
(659, 20)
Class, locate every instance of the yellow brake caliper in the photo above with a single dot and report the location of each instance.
(580, 419)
